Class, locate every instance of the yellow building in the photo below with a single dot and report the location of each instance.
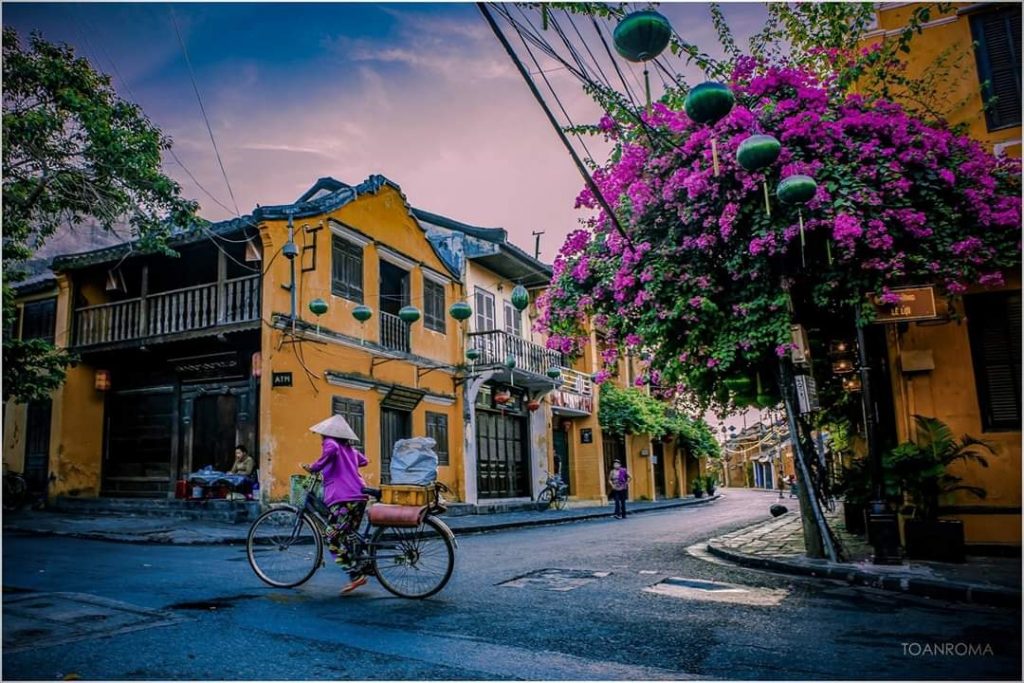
(966, 369)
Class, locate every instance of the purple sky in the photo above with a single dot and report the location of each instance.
(423, 94)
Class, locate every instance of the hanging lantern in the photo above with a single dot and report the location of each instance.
(502, 396)
(843, 366)
(409, 314)
(102, 380)
(520, 297)
(851, 383)
(798, 189)
(757, 152)
(554, 372)
(473, 354)
(709, 103)
(532, 405)
(460, 310)
(318, 307)
(362, 313)
(510, 361)
(257, 364)
(640, 37)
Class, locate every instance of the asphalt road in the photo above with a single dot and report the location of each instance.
(587, 600)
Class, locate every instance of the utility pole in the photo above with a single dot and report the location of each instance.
(536, 244)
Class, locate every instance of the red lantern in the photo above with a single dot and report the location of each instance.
(102, 380)
(257, 364)
(532, 405)
(502, 397)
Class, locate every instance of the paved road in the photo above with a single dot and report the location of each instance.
(105, 610)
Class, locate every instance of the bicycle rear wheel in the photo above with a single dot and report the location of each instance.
(413, 562)
(558, 501)
(284, 547)
(544, 498)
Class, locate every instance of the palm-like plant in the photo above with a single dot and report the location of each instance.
(920, 467)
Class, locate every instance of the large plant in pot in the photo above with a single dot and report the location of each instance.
(855, 489)
(920, 469)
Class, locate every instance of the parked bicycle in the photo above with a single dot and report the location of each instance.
(554, 494)
(16, 493)
(286, 545)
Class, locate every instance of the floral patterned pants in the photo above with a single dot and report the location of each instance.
(341, 529)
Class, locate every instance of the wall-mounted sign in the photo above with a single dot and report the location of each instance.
(915, 303)
(282, 379)
(586, 436)
(806, 393)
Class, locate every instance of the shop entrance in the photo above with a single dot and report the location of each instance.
(560, 441)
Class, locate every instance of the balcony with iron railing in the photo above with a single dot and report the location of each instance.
(394, 333)
(170, 313)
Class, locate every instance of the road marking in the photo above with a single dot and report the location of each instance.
(714, 591)
(558, 580)
(36, 620)
(649, 571)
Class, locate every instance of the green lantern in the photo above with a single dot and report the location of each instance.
(473, 354)
(318, 307)
(757, 152)
(362, 313)
(520, 297)
(709, 103)
(798, 189)
(640, 37)
(460, 310)
(554, 372)
(409, 314)
(510, 361)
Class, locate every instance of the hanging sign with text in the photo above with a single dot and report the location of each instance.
(915, 303)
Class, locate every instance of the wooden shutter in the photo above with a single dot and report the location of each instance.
(437, 429)
(353, 413)
(346, 269)
(998, 38)
(39, 320)
(433, 305)
(994, 323)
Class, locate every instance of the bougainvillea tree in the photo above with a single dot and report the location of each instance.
(707, 281)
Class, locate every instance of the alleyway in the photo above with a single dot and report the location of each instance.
(606, 613)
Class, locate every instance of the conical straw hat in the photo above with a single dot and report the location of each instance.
(335, 426)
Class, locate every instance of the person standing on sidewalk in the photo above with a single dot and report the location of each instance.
(619, 480)
(343, 491)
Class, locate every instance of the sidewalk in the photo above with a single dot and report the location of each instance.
(129, 528)
(778, 545)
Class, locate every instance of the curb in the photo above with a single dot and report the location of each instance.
(985, 594)
(161, 538)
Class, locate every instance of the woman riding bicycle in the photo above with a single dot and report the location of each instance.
(343, 485)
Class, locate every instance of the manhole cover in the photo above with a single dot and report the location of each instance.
(36, 620)
(714, 591)
(559, 580)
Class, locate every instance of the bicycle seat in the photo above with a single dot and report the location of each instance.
(376, 493)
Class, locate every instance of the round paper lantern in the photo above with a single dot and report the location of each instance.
(473, 354)
(362, 313)
(554, 372)
(532, 405)
(460, 310)
(796, 189)
(409, 314)
(520, 297)
(757, 152)
(502, 396)
(318, 307)
(510, 361)
(709, 102)
(641, 36)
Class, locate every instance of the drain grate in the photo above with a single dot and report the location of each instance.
(558, 580)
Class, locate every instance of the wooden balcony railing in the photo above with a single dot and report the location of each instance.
(173, 312)
(576, 392)
(394, 332)
(497, 345)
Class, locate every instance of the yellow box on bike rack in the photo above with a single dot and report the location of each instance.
(395, 494)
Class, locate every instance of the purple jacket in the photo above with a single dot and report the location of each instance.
(340, 465)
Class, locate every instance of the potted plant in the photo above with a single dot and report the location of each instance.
(698, 487)
(919, 467)
(855, 489)
(709, 483)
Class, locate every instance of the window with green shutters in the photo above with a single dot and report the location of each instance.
(997, 39)
(352, 411)
(437, 429)
(39, 320)
(433, 306)
(994, 325)
(346, 269)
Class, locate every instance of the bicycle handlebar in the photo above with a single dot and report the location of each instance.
(376, 493)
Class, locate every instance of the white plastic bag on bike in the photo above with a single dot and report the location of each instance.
(414, 462)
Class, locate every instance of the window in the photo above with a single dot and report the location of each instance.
(353, 413)
(433, 305)
(513, 320)
(484, 311)
(997, 37)
(437, 429)
(994, 324)
(39, 320)
(346, 269)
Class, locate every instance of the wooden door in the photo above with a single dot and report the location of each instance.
(560, 441)
(37, 445)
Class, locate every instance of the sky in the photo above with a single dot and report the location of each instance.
(423, 94)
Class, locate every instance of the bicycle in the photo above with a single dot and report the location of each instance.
(16, 494)
(285, 545)
(554, 494)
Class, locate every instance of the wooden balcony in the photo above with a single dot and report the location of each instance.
(175, 312)
(575, 395)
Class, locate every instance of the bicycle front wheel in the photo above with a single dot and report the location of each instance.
(284, 547)
(544, 498)
(413, 562)
(558, 501)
